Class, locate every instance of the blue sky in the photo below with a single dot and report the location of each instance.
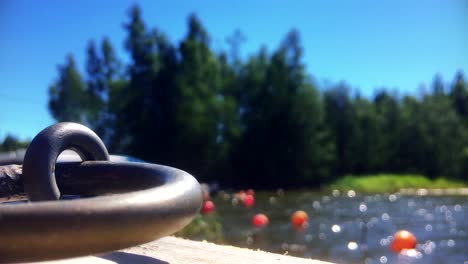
(369, 44)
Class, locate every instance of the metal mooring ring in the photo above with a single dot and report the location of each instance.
(69, 228)
(156, 201)
(39, 161)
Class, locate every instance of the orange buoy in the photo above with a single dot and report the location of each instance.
(260, 220)
(299, 219)
(403, 240)
(248, 201)
(207, 207)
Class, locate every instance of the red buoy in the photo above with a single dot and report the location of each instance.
(403, 240)
(248, 201)
(299, 219)
(260, 220)
(207, 207)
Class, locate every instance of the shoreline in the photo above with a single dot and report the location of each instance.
(403, 183)
(434, 191)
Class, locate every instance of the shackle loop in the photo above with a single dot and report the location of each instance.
(39, 161)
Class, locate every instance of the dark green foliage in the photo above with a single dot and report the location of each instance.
(388, 119)
(198, 106)
(339, 120)
(282, 142)
(255, 122)
(459, 97)
(103, 79)
(67, 97)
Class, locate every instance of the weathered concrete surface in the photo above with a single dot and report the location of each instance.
(172, 250)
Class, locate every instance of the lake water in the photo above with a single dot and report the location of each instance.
(349, 227)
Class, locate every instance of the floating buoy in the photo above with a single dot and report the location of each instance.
(207, 207)
(250, 191)
(299, 219)
(403, 240)
(248, 201)
(260, 220)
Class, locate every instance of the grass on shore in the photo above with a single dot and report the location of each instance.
(203, 227)
(392, 183)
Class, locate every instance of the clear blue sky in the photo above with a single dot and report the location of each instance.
(369, 44)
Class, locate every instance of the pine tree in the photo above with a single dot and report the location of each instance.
(67, 94)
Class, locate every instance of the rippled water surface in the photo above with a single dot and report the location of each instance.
(351, 228)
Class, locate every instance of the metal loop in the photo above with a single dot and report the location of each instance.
(151, 200)
(39, 161)
(69, 228)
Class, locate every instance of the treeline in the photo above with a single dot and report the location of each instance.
(11, 143)
(259, 121)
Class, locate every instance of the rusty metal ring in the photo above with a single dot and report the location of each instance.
(161, 201)
(39, 161)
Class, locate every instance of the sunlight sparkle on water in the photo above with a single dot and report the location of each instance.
(412, 253)
(385, 217)
(316, 204)
(383, 259)
(352, 245)
(336, 193)
(336, 228)
(362, 207)
(451, 243)
(384, 242)
(428, 247)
